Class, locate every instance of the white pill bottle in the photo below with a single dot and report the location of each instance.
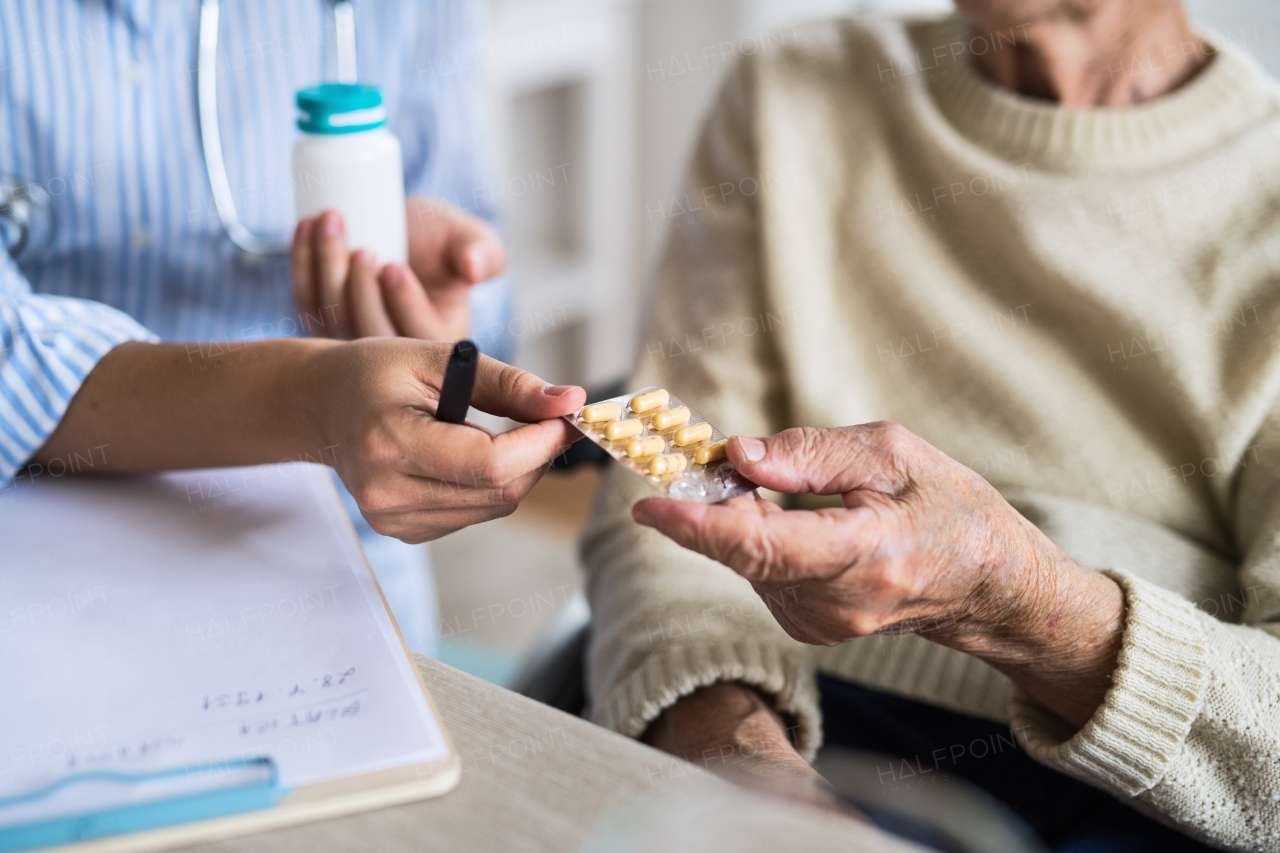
(348, 161)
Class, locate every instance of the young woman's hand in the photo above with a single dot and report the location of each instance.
(416, 478)
(365, 407)
(349, 294)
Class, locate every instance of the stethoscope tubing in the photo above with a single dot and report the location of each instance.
(14, 199)
(210, 133)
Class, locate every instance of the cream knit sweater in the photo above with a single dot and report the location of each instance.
(1081, 305)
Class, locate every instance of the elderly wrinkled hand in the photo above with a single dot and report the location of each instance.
(922, 544)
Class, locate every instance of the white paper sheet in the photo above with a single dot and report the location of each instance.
(156, 622)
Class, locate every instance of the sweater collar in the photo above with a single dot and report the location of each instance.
(1228, 96)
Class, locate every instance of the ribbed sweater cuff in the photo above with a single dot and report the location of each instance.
(677, 671)
(1158, 686)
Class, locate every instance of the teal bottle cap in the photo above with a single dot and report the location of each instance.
(340, 108)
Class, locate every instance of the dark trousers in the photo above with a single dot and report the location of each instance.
(1068, 816)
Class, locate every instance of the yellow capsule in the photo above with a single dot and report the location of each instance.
(651, 446)
(642, 403)
(601, 412)
(692, 434)
(622, 430)
(710, 453)
(670, 419)
(672, 463)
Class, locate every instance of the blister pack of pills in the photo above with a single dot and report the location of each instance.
(661, 439)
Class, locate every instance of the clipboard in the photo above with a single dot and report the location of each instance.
(223, 810)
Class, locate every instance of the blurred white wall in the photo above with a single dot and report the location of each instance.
(597, 103)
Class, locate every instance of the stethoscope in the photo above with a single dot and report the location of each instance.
(26, 210)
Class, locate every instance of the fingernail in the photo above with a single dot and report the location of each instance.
(331, 225)
(391, 276)
(640, 512)
(478, 262)
(752, 448)
(558, 390)
(304, 229)
(364, 258)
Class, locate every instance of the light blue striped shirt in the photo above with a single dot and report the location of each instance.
(98, 107)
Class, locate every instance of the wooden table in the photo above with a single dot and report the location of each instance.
(537, 779)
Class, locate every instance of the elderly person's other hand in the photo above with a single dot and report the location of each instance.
(922, 544)
(732, 730)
